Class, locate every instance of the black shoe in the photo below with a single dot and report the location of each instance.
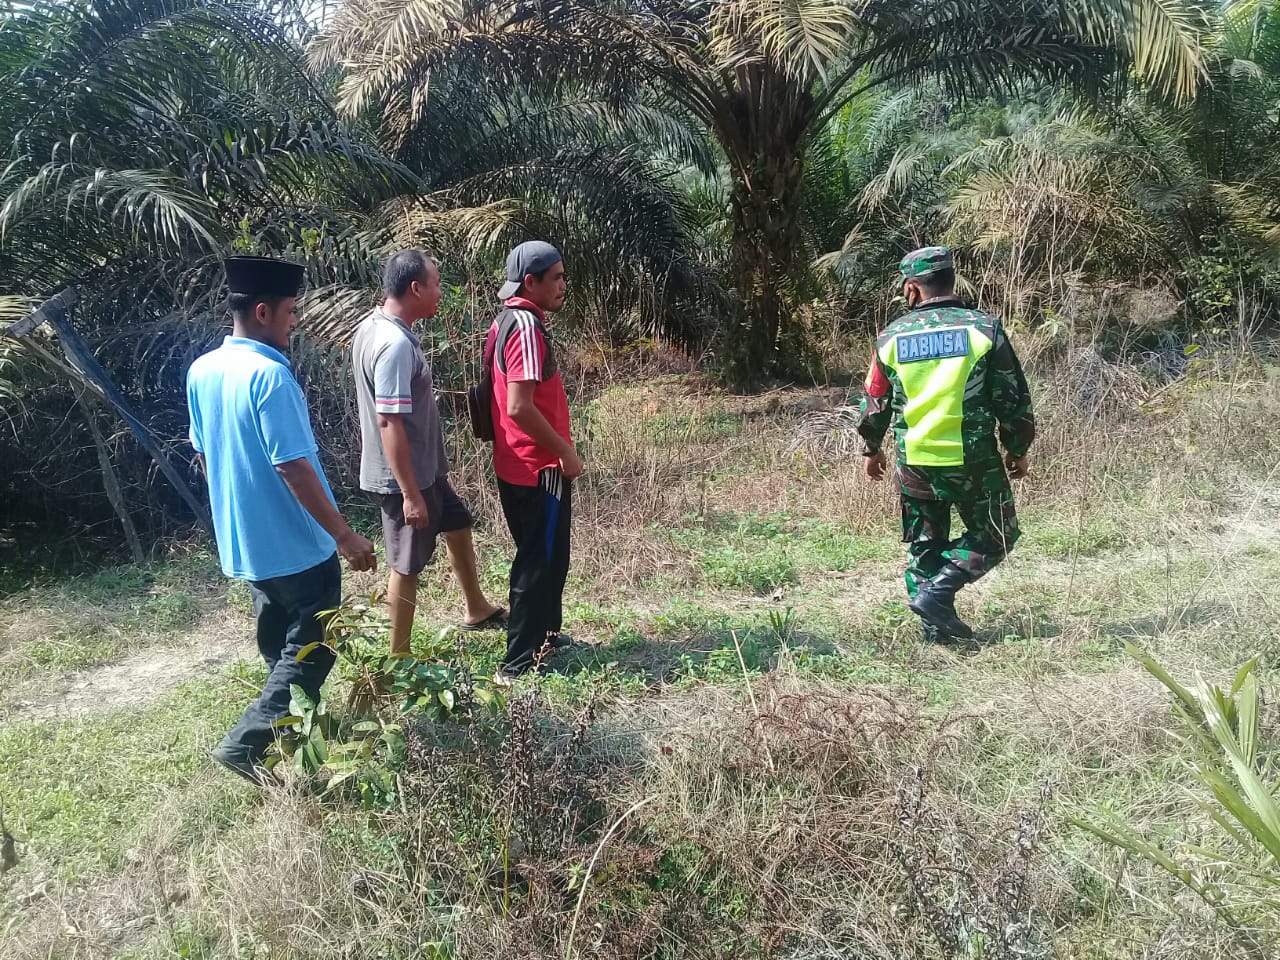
(560, 641)
(935, 604)
(507, 674)
(935, 636)
(241, 765)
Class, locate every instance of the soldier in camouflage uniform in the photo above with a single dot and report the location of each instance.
(946, 379)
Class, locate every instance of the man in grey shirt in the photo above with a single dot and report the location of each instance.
(402, 455)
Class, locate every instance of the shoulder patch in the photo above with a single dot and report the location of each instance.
(876, 383)
(932, 345)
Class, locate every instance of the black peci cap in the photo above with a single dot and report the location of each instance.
(263, 276)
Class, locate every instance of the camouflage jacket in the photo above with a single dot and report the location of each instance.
(947, 380)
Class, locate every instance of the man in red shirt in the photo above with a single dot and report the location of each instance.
(533, 452)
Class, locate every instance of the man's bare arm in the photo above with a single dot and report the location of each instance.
(395, 444)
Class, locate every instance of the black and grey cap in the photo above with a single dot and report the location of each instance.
(532, 256)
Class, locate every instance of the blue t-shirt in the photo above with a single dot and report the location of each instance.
(248, 415)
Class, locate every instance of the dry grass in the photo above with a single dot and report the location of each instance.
(797, 822)
(823, 787)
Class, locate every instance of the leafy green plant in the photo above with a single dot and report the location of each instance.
(1235, 872)
(305, 734)
(370, 759)
(363, 747)
(782, 624)
(315, 744)
(432, 684)
(1225, 271)
(751, 650)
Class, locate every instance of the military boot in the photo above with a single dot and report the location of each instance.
(935, 604)
(935, 636)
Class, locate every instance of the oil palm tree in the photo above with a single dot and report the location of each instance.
(148, 137)
(1049, 187)
(763, 77)
(144, 139)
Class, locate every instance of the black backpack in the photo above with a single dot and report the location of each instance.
(480, 398)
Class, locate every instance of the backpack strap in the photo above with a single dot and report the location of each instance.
(507, 323)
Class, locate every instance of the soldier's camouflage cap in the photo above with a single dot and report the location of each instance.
(926, 260)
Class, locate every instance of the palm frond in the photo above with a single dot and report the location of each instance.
(805, 39)
(1164, 38)
(141, 201)
(900, 173)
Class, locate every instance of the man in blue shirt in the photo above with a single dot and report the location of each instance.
(274, 517)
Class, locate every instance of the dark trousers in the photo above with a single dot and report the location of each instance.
(286, 609)
(991, 530)
(538, 518)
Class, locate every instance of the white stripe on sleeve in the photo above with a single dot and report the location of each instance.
(527, 331)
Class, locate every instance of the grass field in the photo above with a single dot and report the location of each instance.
(753, 756)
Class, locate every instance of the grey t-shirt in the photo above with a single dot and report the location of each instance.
(393, 376)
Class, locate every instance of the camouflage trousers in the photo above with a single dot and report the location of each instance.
(991, 530)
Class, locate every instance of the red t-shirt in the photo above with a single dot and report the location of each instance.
(527, 355)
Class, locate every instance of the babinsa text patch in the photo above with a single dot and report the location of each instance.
(932, 345)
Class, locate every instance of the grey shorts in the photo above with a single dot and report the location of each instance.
(409, 550)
